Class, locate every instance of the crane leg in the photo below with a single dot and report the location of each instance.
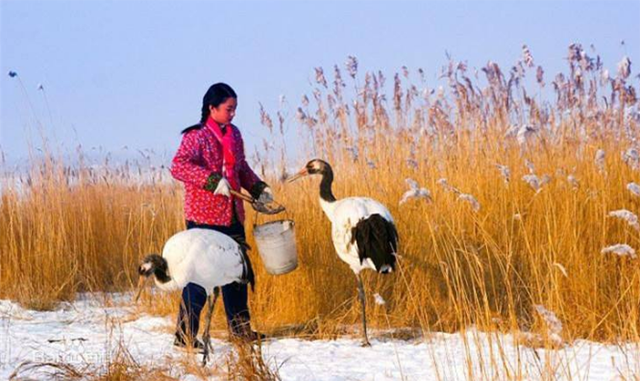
(205, 335)
(365, 339)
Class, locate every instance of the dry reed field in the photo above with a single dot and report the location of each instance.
(527, 222)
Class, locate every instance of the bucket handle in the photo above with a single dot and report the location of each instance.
(257, 217)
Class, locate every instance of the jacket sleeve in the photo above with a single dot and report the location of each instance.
(185, 167)
(248, 179)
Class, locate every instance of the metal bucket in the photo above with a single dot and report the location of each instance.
(276, 243)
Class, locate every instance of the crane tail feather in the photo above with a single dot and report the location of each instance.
(377, 240)
(248, 276)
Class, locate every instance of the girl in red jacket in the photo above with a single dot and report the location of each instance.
(210, 162)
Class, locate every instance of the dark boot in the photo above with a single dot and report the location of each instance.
(240, 329)
(194, 343)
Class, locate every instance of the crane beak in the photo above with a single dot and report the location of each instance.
(141, 282)
(303, 172)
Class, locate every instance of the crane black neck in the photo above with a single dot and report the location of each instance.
(325, 186)
(160, 268)
(162, 276)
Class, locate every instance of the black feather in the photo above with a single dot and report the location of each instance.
(377, 239)
(248, 275)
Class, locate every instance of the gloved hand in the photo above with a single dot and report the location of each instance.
(223, 188)
(266, 196)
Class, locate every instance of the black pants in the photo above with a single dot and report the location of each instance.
(234, 294)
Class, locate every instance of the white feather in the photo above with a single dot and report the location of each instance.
(202, 256)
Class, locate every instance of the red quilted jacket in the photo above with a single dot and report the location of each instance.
(200, 155)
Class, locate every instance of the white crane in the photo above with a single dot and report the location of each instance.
(205, 257)
(363, 232)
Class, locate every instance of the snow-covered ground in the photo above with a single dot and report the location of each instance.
(86, 331)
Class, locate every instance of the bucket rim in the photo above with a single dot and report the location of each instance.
(255, 225)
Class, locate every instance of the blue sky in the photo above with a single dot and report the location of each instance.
(132, 73)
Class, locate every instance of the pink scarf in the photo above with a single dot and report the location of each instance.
(228, 142)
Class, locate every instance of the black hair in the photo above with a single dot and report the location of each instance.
(216, 95)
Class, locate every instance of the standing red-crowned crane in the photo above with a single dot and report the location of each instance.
(205, 257)
(362, 229)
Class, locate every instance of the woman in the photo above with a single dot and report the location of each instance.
(210, 161)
